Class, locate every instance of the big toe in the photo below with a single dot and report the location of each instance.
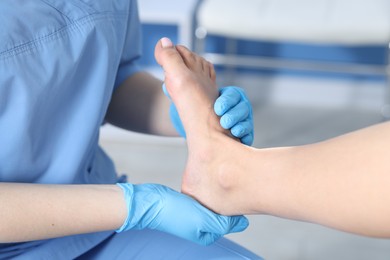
(168, 57)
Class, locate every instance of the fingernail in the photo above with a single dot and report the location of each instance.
(166, 42)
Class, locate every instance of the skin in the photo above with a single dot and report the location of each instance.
(127, 108)
(34, 211)
(341, 183)
(47, 211)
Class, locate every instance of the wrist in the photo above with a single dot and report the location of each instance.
(142, 204)
(127, 191)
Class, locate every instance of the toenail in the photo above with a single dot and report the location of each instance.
(166, 42)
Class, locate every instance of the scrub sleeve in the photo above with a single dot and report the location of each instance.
(60, 61)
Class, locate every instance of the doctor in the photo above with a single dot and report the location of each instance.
(66, 68)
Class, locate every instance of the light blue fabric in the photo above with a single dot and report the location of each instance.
(131, 245)
(135, 244)
(60, 61)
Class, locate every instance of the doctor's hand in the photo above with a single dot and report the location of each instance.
(235, 111)
(158, 207)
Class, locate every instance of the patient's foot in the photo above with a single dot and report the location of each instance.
(210, 171)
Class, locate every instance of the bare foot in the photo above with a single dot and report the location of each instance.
(210, 174)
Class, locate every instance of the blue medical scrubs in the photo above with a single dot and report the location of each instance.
(60, 61)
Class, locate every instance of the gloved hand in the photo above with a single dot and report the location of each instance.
(234, 109)
(158, 207)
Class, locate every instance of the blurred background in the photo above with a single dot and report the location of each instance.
(313, 69)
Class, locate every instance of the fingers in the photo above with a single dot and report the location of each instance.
(206, 238)
(229, 224)
(220, 226)
(237, 114)
(229, 97)
(242, 128)
(238, 224)
(244, 131)
(248, 139)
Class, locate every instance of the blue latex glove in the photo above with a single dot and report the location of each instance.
(235, 111)
(158, 207)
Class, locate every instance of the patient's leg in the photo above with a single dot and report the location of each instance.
(210, 174)
(320, 182)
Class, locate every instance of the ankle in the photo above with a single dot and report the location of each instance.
(226, 168)
(231, 177)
